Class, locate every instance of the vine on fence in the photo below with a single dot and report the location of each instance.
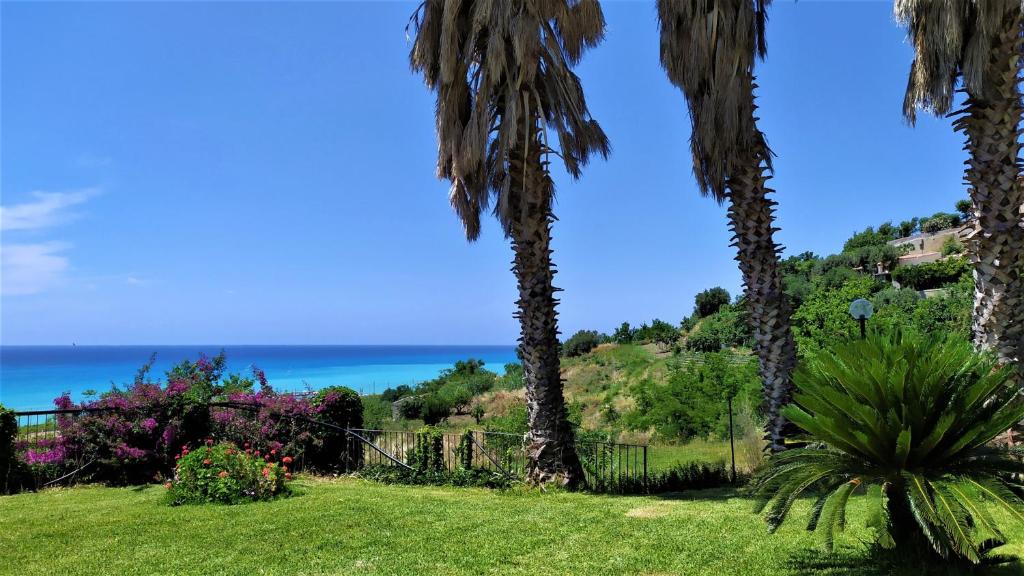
(464, 451)
(427, 454)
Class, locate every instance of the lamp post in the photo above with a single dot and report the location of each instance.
(732, 445)
(861, 310)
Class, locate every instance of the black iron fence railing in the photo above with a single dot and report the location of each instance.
(39, 428)
(608, 466)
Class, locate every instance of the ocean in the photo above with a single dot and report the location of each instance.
(32, 376)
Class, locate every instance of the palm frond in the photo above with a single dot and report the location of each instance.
(708, 50)
(951, 39)
(502, 72)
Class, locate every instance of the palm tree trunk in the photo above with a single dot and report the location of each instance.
(551, 448)
(751, 215)
(992, 123)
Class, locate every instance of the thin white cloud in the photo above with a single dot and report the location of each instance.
(48, 209)
(31, 268)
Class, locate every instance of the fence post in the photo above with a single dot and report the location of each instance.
(645, 465)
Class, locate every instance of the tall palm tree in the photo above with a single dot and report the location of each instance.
(502, 72)
(708, 50)
(979, 43)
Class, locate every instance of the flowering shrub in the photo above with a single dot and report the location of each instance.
(131, 435)
(341, 407)
(287, 423)
(223, 473)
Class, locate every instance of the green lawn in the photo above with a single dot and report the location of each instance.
(357, 527)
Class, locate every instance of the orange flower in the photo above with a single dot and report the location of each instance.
(167, 485)
(207, 462)
(266, 471)
(223, 474)
(287, 459)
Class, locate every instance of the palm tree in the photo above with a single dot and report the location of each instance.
(708, 49)
(979, 43)
(502, 72)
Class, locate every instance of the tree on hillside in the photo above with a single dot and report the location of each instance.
(623, 334)
(709, 301)
(979, 43)
(708, 49)
(502, 73)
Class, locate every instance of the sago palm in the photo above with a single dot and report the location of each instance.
(911, 421)
(502, 72)
(979, 43)
(708, 49)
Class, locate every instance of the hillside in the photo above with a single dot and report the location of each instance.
(667, 384)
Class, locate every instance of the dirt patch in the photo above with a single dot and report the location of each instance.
(652, 511)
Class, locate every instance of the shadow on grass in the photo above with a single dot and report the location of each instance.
(713, 494)
(851, 562)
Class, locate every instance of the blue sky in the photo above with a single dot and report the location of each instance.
(263, 173)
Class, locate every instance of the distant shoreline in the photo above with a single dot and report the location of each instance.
(31, 376)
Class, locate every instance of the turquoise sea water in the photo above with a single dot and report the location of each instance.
(32, 376)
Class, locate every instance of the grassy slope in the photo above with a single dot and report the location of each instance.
(356, 527)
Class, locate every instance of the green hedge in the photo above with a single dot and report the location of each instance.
(11, 470)
(932, 274)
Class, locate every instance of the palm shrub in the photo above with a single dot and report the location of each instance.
(910, 420)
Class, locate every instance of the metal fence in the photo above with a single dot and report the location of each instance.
(608, 467)
(39, 428)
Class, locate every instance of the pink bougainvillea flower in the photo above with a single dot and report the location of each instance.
(272, 452)
(223, 474)
(207, 462)
(288, 476)
(257, 453)
(266, 471)
(287, 459)
(209, 441)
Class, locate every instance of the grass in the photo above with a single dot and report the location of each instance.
(352, 526)
(663, 456)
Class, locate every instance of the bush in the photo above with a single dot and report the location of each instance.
(951, 246)
(966, 208)
(223, 474)
(335, 450)
(911, 420)
(710, 301)
(436, 409)
(580, 343)
(11, 469)
(512, 379)
(940, 221)
(376, 412)
(723, 329)
(623, 334)
(932, 274)
(134, 433)
(659, 332)
(694, 399)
